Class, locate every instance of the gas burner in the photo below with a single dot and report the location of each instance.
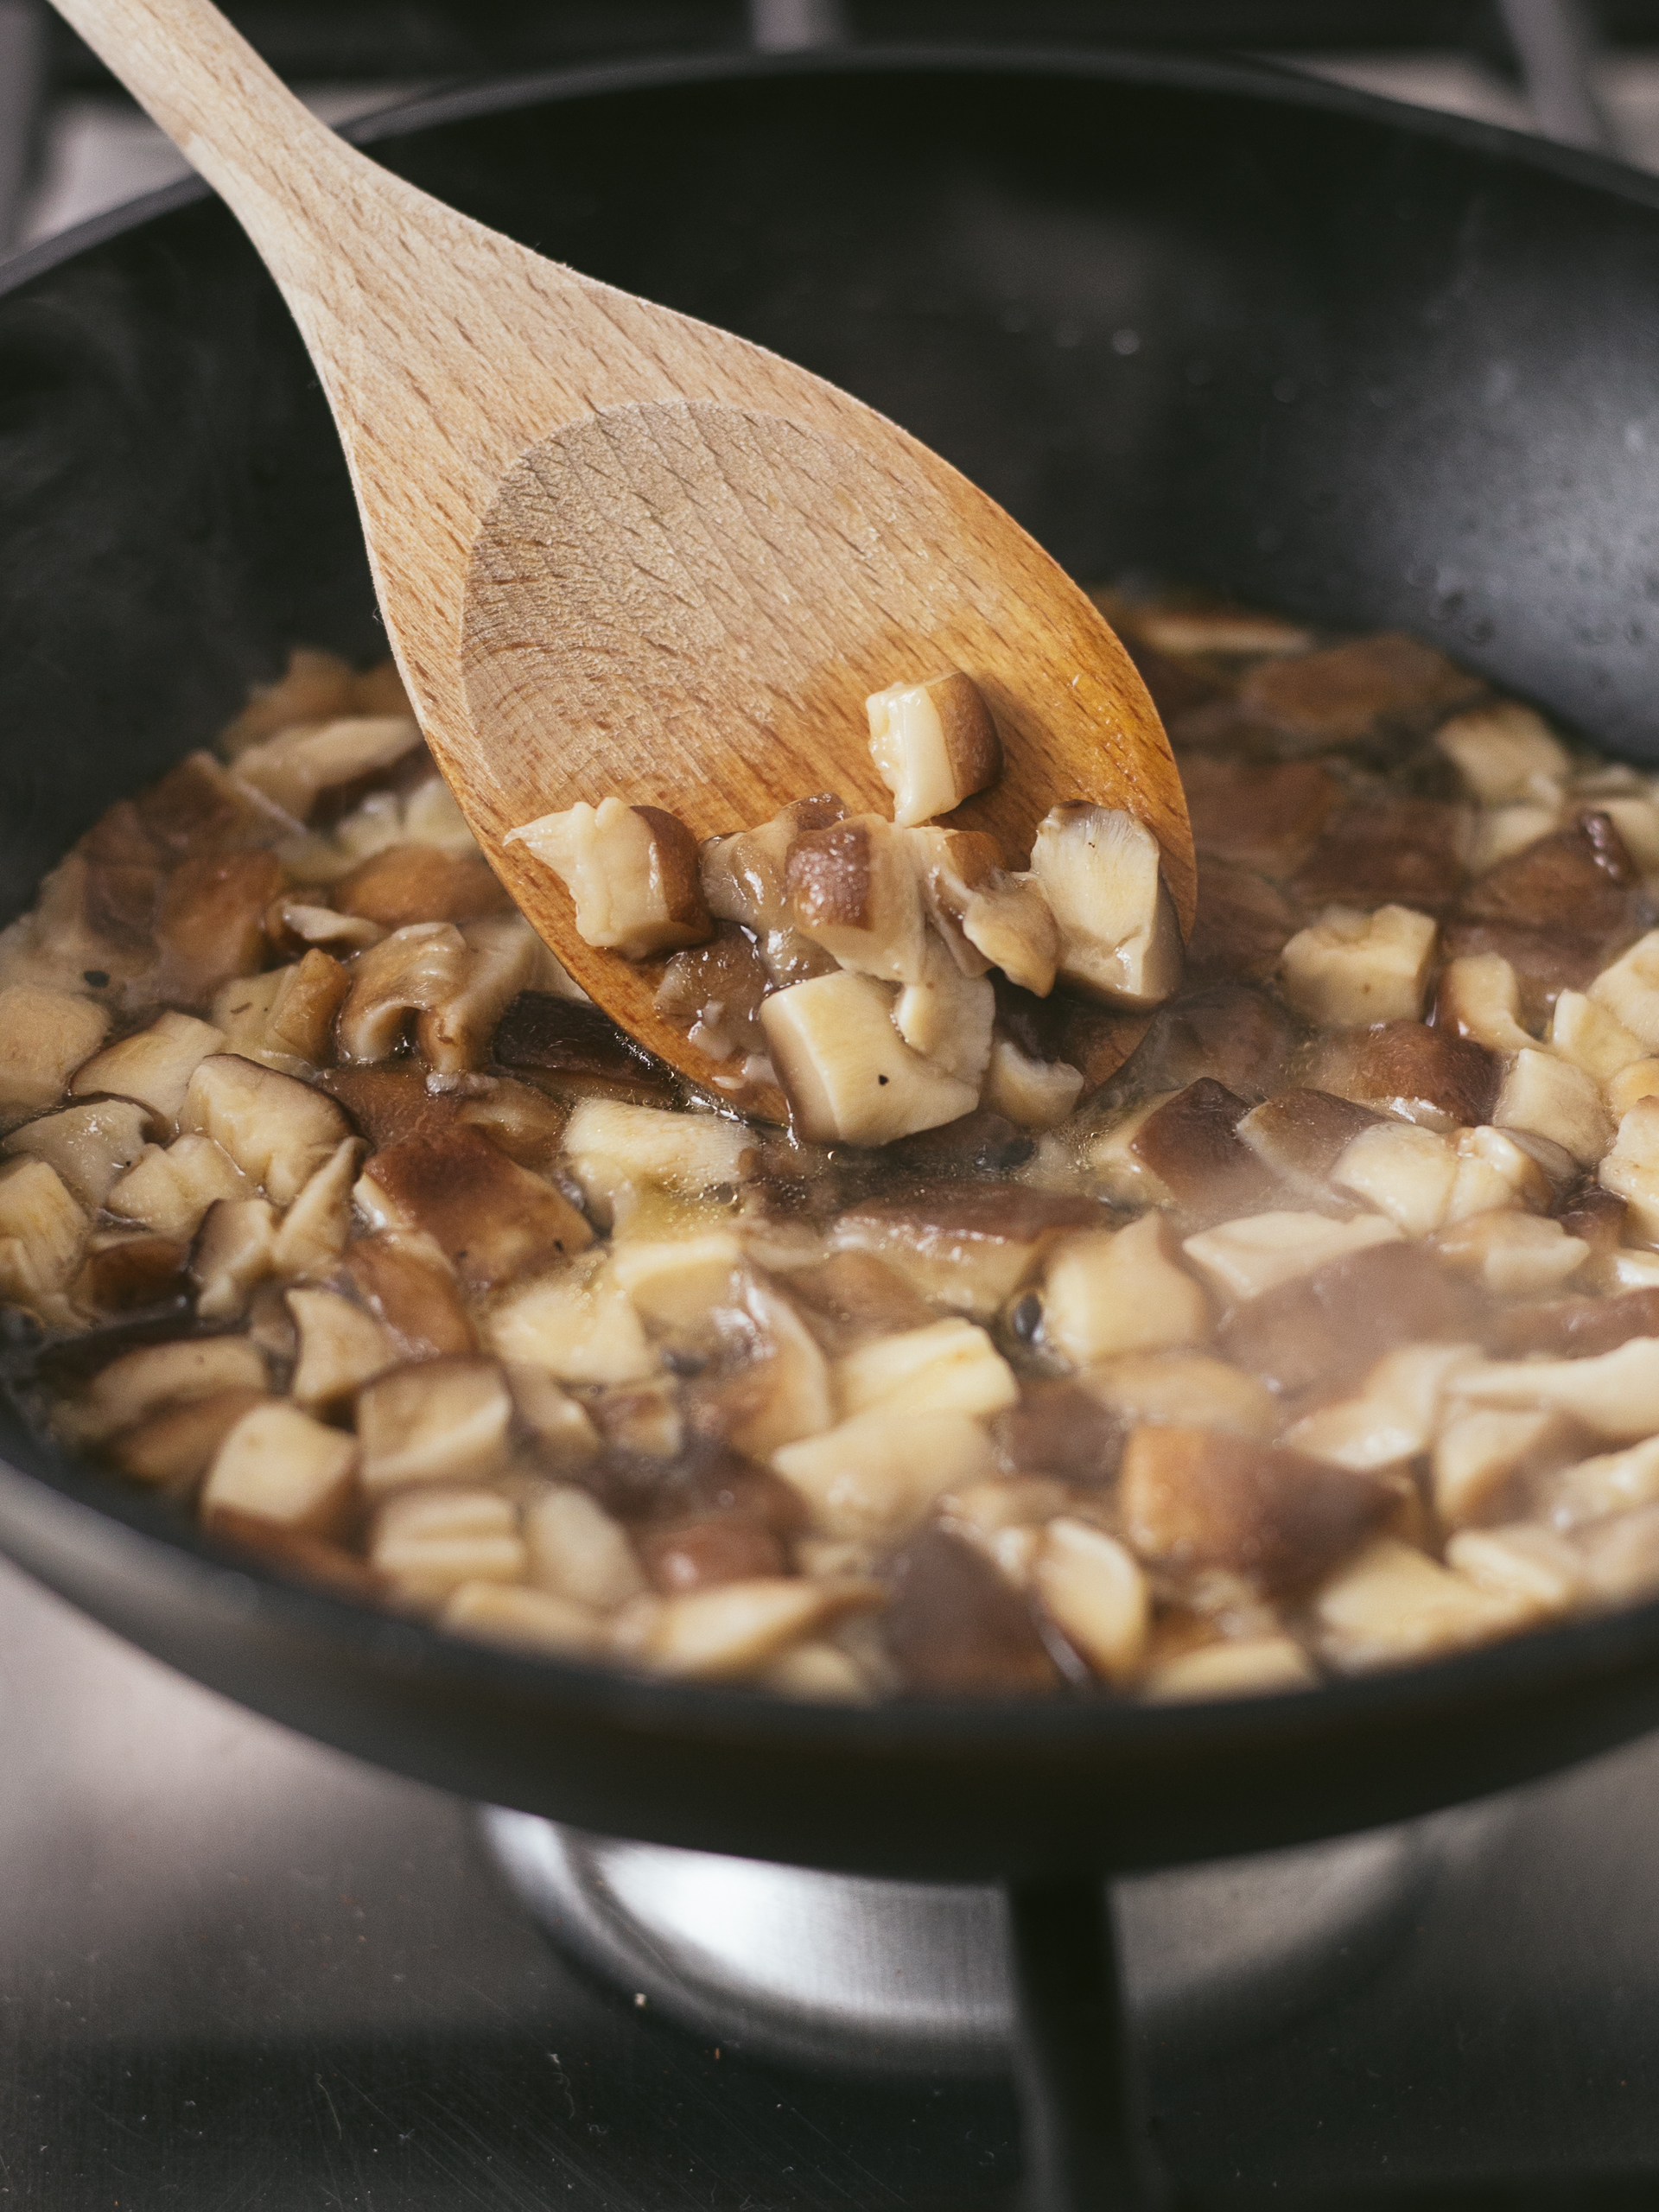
(873, 1977)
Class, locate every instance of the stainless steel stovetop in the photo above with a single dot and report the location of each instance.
(238, 1971)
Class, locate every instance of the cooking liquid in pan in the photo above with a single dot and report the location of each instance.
(1325, 1337)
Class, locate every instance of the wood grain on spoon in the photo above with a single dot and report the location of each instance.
(618, 551)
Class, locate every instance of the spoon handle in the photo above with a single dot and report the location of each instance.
(411, 312)
(292, 183)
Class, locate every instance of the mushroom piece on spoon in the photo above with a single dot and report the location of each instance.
(621, 553)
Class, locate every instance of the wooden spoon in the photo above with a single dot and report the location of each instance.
(618, 551)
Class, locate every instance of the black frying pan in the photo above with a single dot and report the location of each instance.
(1331, 356)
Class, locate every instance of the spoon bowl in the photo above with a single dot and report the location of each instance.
(620, 552)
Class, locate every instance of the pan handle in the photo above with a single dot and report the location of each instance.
(1082, 2114)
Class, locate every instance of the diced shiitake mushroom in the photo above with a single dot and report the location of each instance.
(1194, 1500)
(1629, 989)
(954, 1622)
(525, 1124)
(412, 973)
(1394, 1603)
(235, 1249)
(439, 1420)
(1615, 1395)
(493, 1221)
(988, 915)
(430, 1540)
(419, 883)
(1503, 752)
(1175, 1388)
(209, 923)
(404, 1281)
(504, 957)
(1611, 1482)
(1180, 629)
(1552, 1098)
(1630, 1168)
(139, 1383)
(1241, 1259)
(946, 1016)
(1349, 968)
(579, 1325)
(1407, 1173)
(1513, 1255)
(631, 871)
(525, 1619)
(296, 926)
(787, 1394)
(1300, 1134)
(1534, 1567)
(1094, 1590)
(42, 1231)
(280, 1469)
(743, 882)
(1479, 996)
(278, 1130)
(169, 1190)
(849, 1076)
(968, 1246)
(285, 1018)
(577, 1552)
(616, 1151)
(1431, 1077)
(680, 1286)
(1031, 1093)
(738, 1627)
(1102, 874)
(1247, 1666)
(341, 1347)
(564, 1434)
(174, 1448)
(950, 1366)
(853, 1295)
(1640, 1080)
(316, 1227)
(295, 766)
(44, 1037)
(154, 1066)
(1394, 1415)
(876, 1476)
(852, 890)
(817, 1670)
(127, 1270)
(934, 745)
(1116, 1167)
(642, 1417)
(1499, 833)
(1105, 1292)
(89, 1146)
(1591, 1037)
(314, 688)
(1481, 1451)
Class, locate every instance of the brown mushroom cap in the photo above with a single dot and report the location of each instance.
(1425, 1074)
(1324, 1329)
(953, 1624)
(1360, 690)
(1194, 1498)
(1191, 1144)
(493, 1219)
(1583, 876)
(420, 883)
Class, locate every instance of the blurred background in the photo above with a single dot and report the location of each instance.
(72, 144)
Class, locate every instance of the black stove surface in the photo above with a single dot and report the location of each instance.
(238, 1971)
